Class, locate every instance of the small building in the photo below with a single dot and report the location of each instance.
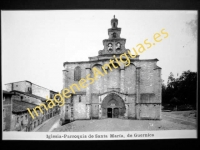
(20, 96)
(21, 119)
(29, 87)
(33, 100)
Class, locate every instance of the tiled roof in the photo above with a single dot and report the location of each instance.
(21, 106)
(31, 95)
(6, 92)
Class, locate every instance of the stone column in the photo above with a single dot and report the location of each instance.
(112, 112)
(126, 113)
(105, 81)
(158, 88)
(138, 84)
(88, 96)
(64, 78)
(160, 93)
(122, 80)
(100, 111)
(137, 91)
(63, 109)
(87, 111)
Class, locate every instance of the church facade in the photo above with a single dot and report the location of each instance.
(132, 92)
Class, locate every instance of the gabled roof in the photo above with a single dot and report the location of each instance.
(21, 106)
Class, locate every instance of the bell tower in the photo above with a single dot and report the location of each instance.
(114, 44)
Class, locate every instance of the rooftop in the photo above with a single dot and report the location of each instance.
(21, 106)
(32, 83)
(7, 93)
(30, 95)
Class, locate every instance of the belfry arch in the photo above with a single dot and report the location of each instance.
(113, 106)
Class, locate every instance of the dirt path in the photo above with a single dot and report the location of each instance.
(181, 117)
(169, 122)
(49, 124)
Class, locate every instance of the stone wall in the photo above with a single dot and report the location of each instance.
(131, 106)
(79, 106)
(7, 108)
(28, 87)
(97, 86)
(141, 78)
(148, 111)
(40, 91)
(18, 86)
(68, 75)
(147, 77)
(130, 79)
(8, 87)
(28, 99)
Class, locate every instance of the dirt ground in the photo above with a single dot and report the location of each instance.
(189, 114)
(48, 125)
(175, 120)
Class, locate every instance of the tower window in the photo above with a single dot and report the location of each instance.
(77, 73)
(114, 35)
(110, 47)
(118, 46)
(114, 25)
(29, 89)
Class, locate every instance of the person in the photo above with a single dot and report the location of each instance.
(18, 125)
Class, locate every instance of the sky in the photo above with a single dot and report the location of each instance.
(35, 44)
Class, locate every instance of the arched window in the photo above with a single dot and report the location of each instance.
(109, 47)
(118, 46)
(77, 73)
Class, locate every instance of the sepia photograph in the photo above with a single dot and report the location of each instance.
(99, 74)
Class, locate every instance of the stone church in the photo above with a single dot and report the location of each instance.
(132, 92)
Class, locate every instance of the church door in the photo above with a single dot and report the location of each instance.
(109, 112)
(116, 112)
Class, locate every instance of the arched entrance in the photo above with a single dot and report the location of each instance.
(113, 106)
